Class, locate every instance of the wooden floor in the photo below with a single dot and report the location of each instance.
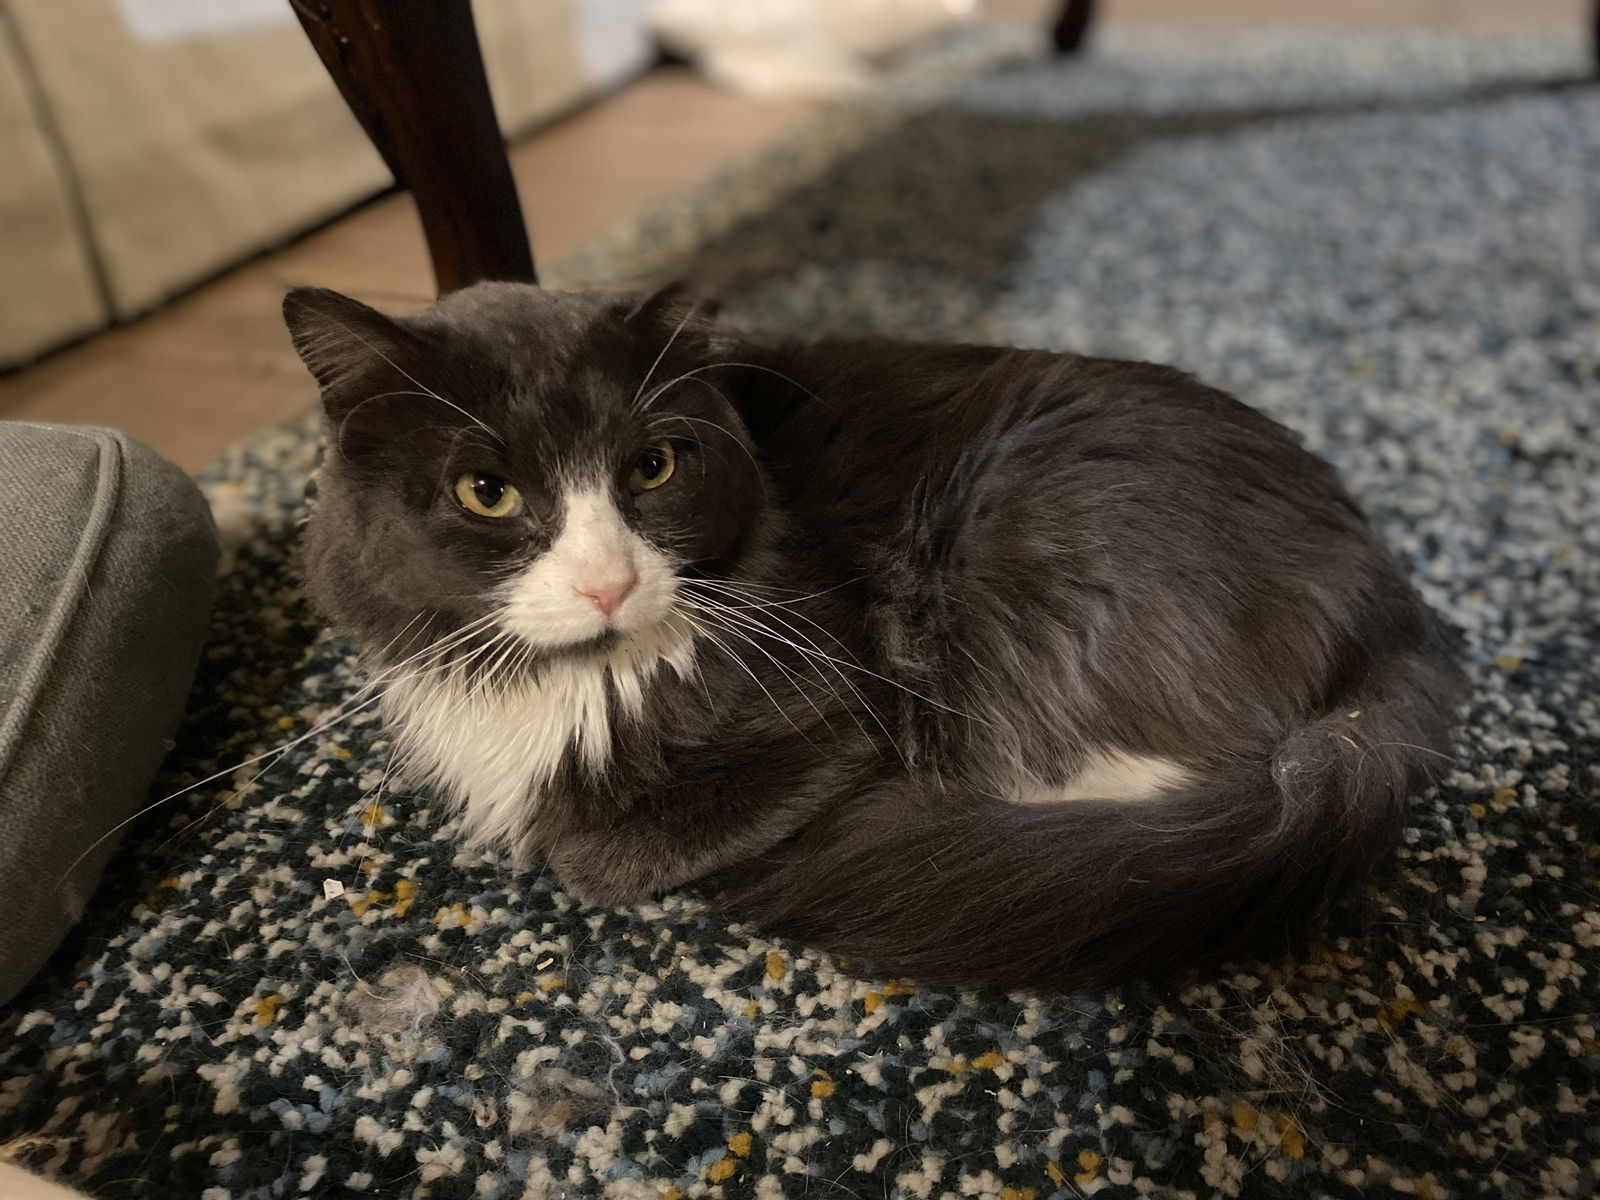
(213, 366)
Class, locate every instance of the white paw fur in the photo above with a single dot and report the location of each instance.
(1111, 775)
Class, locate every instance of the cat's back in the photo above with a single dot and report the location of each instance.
(870, 434)
(1104, 525)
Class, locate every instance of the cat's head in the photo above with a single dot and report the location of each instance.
(520, 467)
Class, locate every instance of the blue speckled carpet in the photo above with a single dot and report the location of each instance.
(1394, 246)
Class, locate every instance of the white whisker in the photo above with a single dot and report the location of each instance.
(794, 678)
(363, 697)
(723, 646)
(811, 657)
(645, 382)
(425, 389)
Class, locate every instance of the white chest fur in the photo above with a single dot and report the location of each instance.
(492, 750)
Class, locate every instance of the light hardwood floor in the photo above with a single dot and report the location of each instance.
(215, 365)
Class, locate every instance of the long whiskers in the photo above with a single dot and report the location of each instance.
(771, 608)
(716, 641)
(645, 382)
(437, 652)
(431, 657)
(424, 389)
(761, 477)
(742, 589)
(440, 656)
(744, 627)
(692, 372)
(792, 676)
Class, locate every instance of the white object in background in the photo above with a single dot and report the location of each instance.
(823, 47)
(174, 20)
(612, 39)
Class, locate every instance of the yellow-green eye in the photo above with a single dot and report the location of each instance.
(653, 467)
(487, 495)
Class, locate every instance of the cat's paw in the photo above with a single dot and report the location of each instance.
(603, 884)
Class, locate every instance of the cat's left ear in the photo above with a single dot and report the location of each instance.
(340, 339)
(676, 306)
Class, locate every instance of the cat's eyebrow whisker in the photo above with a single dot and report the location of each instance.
(425, 389)
(338, 434)
(760, 474)
(645, 382)
(689, 374)
(692, 375)
(789, 379)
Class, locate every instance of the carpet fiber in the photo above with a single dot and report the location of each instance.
(295, 982)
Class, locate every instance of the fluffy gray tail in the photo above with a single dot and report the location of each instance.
(1249, 858)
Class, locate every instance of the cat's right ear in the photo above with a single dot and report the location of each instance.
(340, 339)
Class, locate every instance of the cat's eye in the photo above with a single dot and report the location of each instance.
(487, 495)
(654, 466)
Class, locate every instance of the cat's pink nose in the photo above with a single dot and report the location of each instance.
(607, 594)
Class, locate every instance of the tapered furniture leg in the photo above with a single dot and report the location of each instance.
(1072, 25)
(412, 73)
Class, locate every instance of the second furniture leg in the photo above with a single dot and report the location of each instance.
(1072, 23)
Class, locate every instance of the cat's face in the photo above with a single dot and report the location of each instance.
(518, 467)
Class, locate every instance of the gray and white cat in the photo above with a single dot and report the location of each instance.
(984, 666)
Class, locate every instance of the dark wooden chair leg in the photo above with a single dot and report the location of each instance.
(412, 73)
(1072, 25)
(1594, 35)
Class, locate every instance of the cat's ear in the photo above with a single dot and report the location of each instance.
(340, 339)
(676, 306)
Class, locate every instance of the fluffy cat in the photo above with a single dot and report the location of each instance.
(984, 666)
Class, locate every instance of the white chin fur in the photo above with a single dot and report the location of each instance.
(493, 749)
(544, 605)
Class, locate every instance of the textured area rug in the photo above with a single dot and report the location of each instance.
(295, 983)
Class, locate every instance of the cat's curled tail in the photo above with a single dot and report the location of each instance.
(1247, 857)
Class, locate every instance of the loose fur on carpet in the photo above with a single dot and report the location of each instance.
(295, 982)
